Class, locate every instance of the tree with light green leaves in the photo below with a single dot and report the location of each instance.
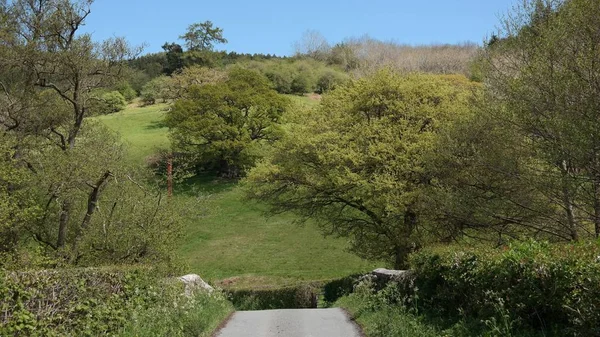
(226, 124)
(356, 164)
(543, 79)
(58, 162)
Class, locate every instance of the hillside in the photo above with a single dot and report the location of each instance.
(231, 241)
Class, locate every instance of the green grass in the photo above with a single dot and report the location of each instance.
(140, 128)
(386, 320)
(229, 240)
(199, 316)
(308, 101)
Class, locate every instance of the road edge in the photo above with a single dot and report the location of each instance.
(223, 324)
(352, 320)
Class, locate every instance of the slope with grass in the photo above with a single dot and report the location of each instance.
(230, 241)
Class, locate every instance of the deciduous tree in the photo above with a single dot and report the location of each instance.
(226, 123)
(356, 164)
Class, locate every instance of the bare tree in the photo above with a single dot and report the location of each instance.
(312, 44)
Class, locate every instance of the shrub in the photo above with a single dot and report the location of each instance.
(330, 80)
(93, 302)
(301, 84)
(156, 89)
(533, 285)
(125, 89)
(113, 102)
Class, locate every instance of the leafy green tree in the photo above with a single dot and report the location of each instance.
(18, 206)
(225, 124)
(543, 76)
(357, 164)
(203, 36)
(50, 77)
(156, 89)
(174, 54)
(125, 89)
(108, 103)
(330, 79)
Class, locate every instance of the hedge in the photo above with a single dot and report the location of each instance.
(92, 302)
(553, 288)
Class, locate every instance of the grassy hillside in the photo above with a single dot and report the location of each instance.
(230, 241)
(141, 128)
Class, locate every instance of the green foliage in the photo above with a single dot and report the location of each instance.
(356, 164)
(541, 75)
(203, 36)
(155, 90)
(299, 76)
(528, 286)
(125, 89)
(335, 289)
(297, 297)
(330, 80)
(109, 301)
(174, 58)
(199, 316)
(227, 237)
(225, 124)
(17, 205)
(378, 318)
(112, 102)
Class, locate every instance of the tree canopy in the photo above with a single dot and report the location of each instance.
(225, 124)
(203, 36)
(356, 164)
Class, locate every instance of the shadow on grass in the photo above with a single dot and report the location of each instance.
(204, 184)
(155, 125)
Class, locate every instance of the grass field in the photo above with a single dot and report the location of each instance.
(230, 241)
(141, 128)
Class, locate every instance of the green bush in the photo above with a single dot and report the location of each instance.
(380, 318)
(295, 76)
(329, 80)
(553, 288)
(125, 89)
(113, 102)
(93, 302)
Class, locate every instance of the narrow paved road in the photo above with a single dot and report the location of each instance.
(290, 323)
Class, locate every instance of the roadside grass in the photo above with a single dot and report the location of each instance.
(228, 240)
(386, 320)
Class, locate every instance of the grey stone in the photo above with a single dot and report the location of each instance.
(193, 282)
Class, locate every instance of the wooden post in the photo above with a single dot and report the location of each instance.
(170, 176)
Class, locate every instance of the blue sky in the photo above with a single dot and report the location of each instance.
(268, 26)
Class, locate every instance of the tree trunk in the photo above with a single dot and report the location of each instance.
(400, 258)
(401, 252)
(597, 208)
(568, 203)
(63, 223)
(91, 208)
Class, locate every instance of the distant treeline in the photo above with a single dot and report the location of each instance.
(315, 66)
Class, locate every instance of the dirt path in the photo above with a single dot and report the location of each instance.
(290, 323)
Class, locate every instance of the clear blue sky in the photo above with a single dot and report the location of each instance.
(269, 26)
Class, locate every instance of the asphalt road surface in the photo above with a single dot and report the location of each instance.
(290, 323)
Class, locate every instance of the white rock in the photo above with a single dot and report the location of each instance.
(388, 272)
(193, 282)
